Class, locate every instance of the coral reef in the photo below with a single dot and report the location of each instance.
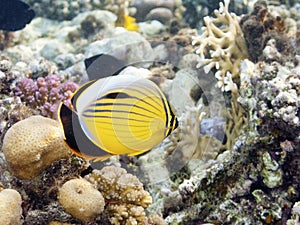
(67, 10)
(12, 111)
(252, 176)
(234, 158)
(40, 194)
(10, 206)
(79, 198)
(46, 93)
(258, 177)
(289, 16)
(33, 144)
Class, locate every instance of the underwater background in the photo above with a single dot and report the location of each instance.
(230, 70)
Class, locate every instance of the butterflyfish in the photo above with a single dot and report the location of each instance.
(115, 115)
(14, 15)
(126, 21)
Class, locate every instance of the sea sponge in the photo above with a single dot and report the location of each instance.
(79, 198)
(260, 27)
(222, 46)
(33, 144)
(124, 192)
(10, 207)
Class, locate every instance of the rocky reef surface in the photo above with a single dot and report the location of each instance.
(234, 83)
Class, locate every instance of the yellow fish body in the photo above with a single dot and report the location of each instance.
(126, 21)
(129, 23)
(121, 114)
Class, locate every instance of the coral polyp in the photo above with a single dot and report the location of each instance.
(46, 93)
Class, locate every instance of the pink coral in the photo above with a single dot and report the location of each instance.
(46, 93)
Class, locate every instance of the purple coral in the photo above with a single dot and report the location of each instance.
(46, 93)
(26, 90)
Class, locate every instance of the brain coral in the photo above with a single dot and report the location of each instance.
(81, 199)
(124, 193)
(222, 46)
(33, 144)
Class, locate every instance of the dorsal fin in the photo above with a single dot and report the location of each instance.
(103, 65)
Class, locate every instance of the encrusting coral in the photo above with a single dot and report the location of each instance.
(124, 194)
(295, 215)
(33, 144)
(46, 93)
(79, 198)
(271, 93)
(10, 207)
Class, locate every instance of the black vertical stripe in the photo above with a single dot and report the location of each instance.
(79, 91)
(163, 100)
(150, 90)
(75, 136)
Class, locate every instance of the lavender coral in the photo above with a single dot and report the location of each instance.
(45, 93)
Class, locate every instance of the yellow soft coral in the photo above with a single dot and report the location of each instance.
(222, 47)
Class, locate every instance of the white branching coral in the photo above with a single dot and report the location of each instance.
(222, 46)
